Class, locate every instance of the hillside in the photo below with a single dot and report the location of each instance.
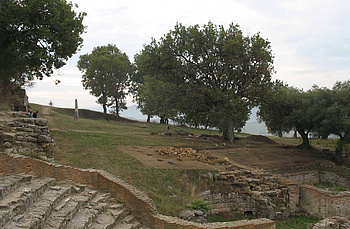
(141, 153)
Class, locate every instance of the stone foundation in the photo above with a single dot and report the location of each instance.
(260, 194)
(27, 136)
(253, 193)
(319, 176)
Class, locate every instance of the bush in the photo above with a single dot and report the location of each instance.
(200, 205)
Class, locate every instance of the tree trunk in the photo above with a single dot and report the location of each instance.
(229, 134)
(116, 107)
(148, 118)
(339, 151)
(295, 134)
(341, 144)
(305, 138)
(104, 105)
(162, 120)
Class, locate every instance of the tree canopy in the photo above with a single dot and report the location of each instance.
(318, 111)
(37, 36)
(106, 73)
(230, 72)
(335, 113)
(287, 109)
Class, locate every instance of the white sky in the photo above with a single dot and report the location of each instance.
(310, 38)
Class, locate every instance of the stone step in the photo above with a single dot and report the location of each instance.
(11, 182)
(128, 222)
(88, 213)
(109, 218)
(67, 208)
(30, 202)
(39, 211)
(20, 199)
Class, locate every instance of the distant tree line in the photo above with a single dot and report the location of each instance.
(208, 76)
(318, 111)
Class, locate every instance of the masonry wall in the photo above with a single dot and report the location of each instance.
(256, 193)
(333, 178)
(306, 177)
(140, 205)
(27, 136)
(317, 176)
(322, 204)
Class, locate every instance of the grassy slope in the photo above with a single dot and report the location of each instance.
(90, 143)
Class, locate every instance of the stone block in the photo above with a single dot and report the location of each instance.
(8, 137)
(32, 139)
(7, 145)
(40, 121)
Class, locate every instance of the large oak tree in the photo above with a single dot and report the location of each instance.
(230, 71)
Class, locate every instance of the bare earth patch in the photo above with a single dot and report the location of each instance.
(148, 156)
(253, 151)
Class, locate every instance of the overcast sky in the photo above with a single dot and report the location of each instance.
(310, 38)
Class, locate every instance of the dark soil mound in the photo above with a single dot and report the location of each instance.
(260, 138)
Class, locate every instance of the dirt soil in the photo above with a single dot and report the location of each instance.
(251, 152)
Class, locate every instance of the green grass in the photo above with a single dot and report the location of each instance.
(227, 217)
(300, 222)
(92, 144)
(332, 187)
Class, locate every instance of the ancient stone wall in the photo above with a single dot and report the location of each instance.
(319, 176)
(27, 136)
(254, 193)
(321, 204)
(135, 199)
(261, 194)
(334, 178)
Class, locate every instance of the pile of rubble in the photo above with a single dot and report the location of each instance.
(181, 152)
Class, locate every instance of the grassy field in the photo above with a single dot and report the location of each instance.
(92, 143)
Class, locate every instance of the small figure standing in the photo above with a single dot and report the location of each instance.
(35, 115)
(30, 114)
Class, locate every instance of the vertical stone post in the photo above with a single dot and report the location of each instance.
(76, 116)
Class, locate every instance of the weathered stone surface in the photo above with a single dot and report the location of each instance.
(27, 202)
(26, 136)
(333, 222)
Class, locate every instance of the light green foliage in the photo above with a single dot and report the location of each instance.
(37, 36)
(200, 205)
(106, 73)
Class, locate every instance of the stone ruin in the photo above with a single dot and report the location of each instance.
(254, 193)
(26, 136)
(259, 194)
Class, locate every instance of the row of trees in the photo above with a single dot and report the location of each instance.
(318, 111)
(208, 76)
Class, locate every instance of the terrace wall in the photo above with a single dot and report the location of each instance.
(137, 201)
